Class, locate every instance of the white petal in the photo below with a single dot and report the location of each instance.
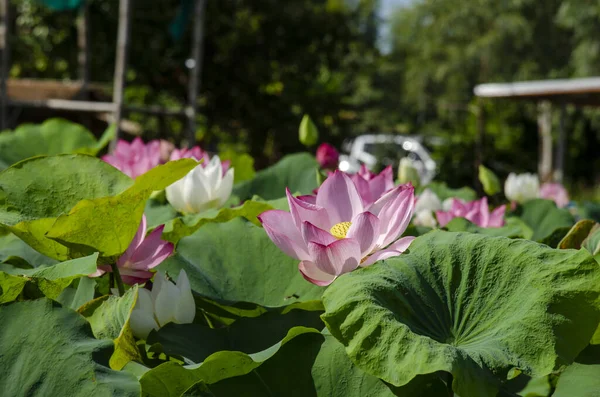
(196, 192)
(224, 191)
(166, 303)
(175, 195)
(142, 320)
(186, 306)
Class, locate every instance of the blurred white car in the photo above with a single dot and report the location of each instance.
(379, 151)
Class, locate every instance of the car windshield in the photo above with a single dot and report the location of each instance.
(389, 153)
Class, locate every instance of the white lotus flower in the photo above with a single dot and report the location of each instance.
(203, 188)
(522, 187)
(425, 218)
(428, 200)
(447, 204)
(167, 303)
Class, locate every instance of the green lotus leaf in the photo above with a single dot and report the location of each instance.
(48, 350)
(474, 306)
(295, 171)
(111, 321)
(236, 261)
(282, 369)
(49, 280)
(577, 234)
(197, 341)
(11, 246)
(178, 228)
(52, 137)
(543, 217)
(108, 224)
(54, 186)
(579, 380)
(444, 192)
(514, 228)
(77, 297)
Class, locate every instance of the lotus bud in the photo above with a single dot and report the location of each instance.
(308, 133)
(489, 180)
(408, 173)
(327, 156)
(521, 188)
(167, 303)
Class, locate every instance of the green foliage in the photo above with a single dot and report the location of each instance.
(48, 350)
(282, 369)
(444, 192)
(543, 217)
(577, 235)
(90, 225)
(111, 321)
(236, 261)
(50, 281)
(579, 380)
(470, 305)
(514, 228)
(52, 137)
(295, 172)
(243, 164)
(184, 226)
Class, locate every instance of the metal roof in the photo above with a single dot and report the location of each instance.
(584, 91)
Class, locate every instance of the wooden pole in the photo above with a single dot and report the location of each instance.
(4, 62)
(479, 142)
(83, 44)
(195, 69)
(544, 120)
(121, 66)
(559, 173)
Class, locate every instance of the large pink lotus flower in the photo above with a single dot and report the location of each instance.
(197, 154)
(555, 192)
(370, 185)
(334, 232)
(144, 253)
(475, 211)
(135, 158)
(327, 156)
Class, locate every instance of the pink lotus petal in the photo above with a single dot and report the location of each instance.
(497, 217)
(555, 192)
(365, 230)
(312, 234)
(362, 186)
(327, 156)
(281, 230)
(396, 214)
(393, 250)
(443, 217)
(304, 211)
(309, 198)
(383, 182)
(339, 195)
(339, 257)
(476, 212)
(313, 274)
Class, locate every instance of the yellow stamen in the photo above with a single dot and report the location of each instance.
(339, 230)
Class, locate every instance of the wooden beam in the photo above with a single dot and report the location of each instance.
(4, 61)
(195, 70)
(83, 46)
(561, 146)
(98, 107)
(121, 65)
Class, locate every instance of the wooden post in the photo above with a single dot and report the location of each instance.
(4, 61)
(544, 120)
(121, 66)
(195, 69)
(559, 172)
(479, 141)
(83, 44)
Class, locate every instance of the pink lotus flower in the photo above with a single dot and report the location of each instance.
(144, 253)
(165, 148)
(475, 211)
(334, 232)
(327, 156)
(135, 158)
(370, 185)
(555, 192)
(197, 154)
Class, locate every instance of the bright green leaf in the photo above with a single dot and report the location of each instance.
(108, 224)
(242, 163)
(178, 228)
(514, 228)
(295, 171)
(543, 217)
(111, 321)
(578, 233)
(237, 262)
(467, 304)
(579, 380)
(444, 192)
(77, 297)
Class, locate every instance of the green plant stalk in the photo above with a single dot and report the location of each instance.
(118, 279)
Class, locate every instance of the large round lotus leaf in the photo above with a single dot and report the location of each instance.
(470, 305)
(48, 350)
(543, 217)
(298, 172)
(236, 261)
